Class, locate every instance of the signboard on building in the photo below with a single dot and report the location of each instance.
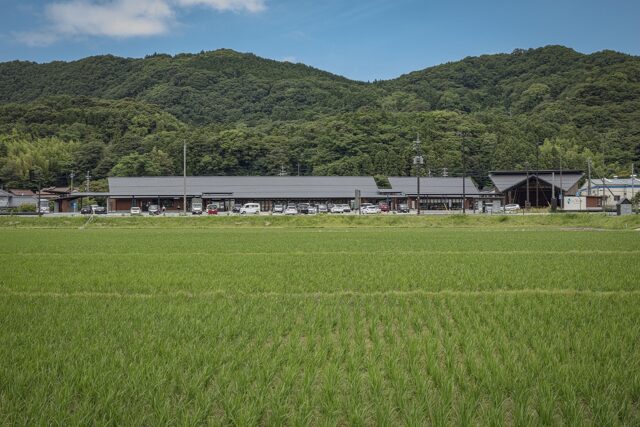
(574, 203)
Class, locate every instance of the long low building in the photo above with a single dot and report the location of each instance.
(226, 191)
(436, 193)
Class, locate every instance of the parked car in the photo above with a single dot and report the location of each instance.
(196, 206)
(291, 210)
(236, 208)
(86, 210)
(510, 207)
(303, 208)
(322, 208)
(44, 206)
(383, 207)
(100, 210)
(312, 210)
(278, 209)
(250, 208)
(340, 209)
(370, 209)
(403, 208)
(135, 210)
(212, 209)
(154, 210)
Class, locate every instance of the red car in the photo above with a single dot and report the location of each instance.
(212, 210)
(383, 207)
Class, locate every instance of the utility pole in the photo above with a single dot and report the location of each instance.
(589, 177)
(464, 172)
(88, 181)
(35, 176)
(298, 168)
(538, 144)
(633, 177)
(74, 203)
(528, 203)
(561, 187)
(184, 177)
(417, 161)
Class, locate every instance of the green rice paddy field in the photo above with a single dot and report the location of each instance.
(332, 324)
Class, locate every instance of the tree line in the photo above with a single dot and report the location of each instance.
(243, 115)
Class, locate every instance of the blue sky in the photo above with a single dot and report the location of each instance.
(359, 39)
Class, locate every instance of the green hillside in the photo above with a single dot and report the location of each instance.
(242, 114)
(211, 87)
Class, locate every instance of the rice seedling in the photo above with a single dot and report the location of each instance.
(358, 326)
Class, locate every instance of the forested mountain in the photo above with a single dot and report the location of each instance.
(241, 114)
(211, 87)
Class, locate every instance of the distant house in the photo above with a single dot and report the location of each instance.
(612, 191)
(14, 198)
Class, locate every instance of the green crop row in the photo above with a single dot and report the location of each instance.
(319, 326)
(271, 360)
(591, 220)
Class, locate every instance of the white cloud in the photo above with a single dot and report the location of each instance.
(120, 18)
(252, 6)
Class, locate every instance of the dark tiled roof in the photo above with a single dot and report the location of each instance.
(433, 186)
(246, 187)
(505, 180)
(21, 192)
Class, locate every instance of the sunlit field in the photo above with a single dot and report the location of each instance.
(319, 326)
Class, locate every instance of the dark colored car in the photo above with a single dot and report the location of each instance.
(403, 208)
(100, 210)
(383, 207)
(154, 210)
(86, 210)
(303, 208)
(236, 208)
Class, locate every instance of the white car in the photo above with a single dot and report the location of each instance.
(250, 208)
(135, 210)
(291, 210)
(370, 209)
(340, 209)
(511, 207)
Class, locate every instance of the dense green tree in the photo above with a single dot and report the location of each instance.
(240, 114)
(154, 163)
